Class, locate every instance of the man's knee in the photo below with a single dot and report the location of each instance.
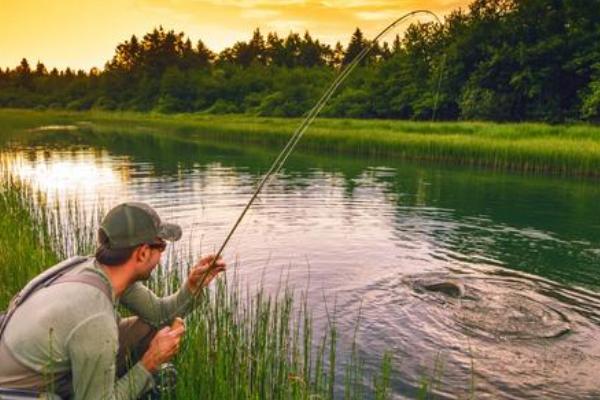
(135, 336)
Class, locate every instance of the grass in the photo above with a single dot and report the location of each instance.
(239, 344)
(24, 244)
(566, 150)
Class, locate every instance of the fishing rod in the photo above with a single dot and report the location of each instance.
(308, 120)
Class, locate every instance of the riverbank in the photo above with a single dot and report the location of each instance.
(564, 150)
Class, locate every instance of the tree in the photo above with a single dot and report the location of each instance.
(127, 56)
(275, 53)
(176, 92)
(160, 50)
(40, 69)
(312, 53)
(23, 74)
(356, 45)
(337, 56)
(204, 55)
(396, 45)
(590, 108)
(247, 53)
(257, 47)
(385, 52)
(23, 69)
(292, 45)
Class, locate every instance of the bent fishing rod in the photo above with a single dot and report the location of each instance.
(308, 120)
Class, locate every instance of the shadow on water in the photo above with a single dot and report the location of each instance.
(475, 268)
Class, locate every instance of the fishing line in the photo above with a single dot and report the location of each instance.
(310, 117)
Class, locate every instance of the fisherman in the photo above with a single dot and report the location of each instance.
(66, 339)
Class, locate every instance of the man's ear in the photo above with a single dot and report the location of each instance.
(142, 253)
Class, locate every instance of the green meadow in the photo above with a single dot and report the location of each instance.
(565, 150)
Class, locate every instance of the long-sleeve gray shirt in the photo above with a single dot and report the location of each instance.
(72, 327)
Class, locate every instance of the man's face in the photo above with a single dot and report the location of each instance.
(149, 258)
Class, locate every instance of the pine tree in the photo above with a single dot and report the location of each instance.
(356, 45)
(23, 69)
(311, 52)
(127, 56)
(385, 51)
(204, 55)
(40, 69)
(292, 49)
(275, 50)
(397, 45)
(257, 47)
(24, 73)
(246, 54)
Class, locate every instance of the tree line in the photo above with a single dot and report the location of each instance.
(501, 60)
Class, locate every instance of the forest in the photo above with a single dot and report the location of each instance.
(497, 60)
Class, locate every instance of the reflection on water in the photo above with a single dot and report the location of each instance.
(382, 235)
(65, 174)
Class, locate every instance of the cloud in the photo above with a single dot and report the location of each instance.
(376, 15)
(260, 14)
(328, 20)
(283, 26)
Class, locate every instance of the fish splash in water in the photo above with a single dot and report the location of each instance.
(489, 308)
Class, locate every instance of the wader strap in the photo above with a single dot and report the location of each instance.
(88, 278)
(44, 279)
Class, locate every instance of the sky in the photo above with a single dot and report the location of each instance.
(84, 33)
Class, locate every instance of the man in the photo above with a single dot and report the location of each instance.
(67, 338)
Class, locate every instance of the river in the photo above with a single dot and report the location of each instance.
(483, 279)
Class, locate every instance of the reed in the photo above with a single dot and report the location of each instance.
(25, 247)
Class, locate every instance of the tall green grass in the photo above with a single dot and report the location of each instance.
(25, 247)
(567, 150)
(239, 344)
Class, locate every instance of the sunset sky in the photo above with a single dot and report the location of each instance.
(84, 33)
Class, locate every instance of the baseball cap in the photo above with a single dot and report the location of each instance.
(130, 224)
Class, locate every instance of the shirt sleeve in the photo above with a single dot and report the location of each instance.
(92, 347)
(157, 311)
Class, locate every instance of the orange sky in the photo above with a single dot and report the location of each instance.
(84, 33)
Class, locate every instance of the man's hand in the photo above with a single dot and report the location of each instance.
(163, 346)
(202, 273)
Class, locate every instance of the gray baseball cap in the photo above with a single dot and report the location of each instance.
(131, 224)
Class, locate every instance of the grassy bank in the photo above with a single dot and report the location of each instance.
(566, 150)
(239, 344)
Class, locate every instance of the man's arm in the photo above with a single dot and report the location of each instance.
(157, 311)
(162, 311)
(92, 347)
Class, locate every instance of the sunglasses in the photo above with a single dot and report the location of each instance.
(160, 246)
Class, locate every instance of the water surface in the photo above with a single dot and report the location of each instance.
(371, 234)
